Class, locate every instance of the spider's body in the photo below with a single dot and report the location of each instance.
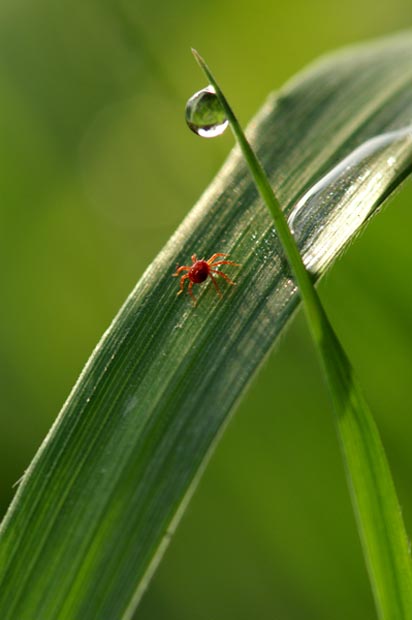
(201, 270)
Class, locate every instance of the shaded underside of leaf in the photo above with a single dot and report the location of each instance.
(109, 483)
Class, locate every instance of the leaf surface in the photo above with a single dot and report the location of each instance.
(104, 493)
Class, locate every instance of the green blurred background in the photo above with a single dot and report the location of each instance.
(97, 169)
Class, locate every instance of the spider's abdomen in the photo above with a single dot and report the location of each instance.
(199, 271)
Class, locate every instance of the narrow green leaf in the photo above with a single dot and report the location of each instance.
(374, 498)
(98, 504)
(376, 506)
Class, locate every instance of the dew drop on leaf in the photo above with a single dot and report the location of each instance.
(204, 114)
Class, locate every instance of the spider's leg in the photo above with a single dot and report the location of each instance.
(182, 284)
(224, 276)
(215, 284)
(179, 269)
(194, 258)
(189, 290)
(214, 256)
(226, 262)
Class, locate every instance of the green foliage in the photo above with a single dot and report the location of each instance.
(103, 495)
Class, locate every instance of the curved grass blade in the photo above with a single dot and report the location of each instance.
(375, 502)
(98, 504)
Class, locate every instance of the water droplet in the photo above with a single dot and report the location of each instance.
(332, 210)
(204, 114)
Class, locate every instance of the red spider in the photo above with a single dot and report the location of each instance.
(200, 270)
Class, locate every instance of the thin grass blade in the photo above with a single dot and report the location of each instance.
(375, 502)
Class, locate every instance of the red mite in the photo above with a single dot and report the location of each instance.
(202, 269)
